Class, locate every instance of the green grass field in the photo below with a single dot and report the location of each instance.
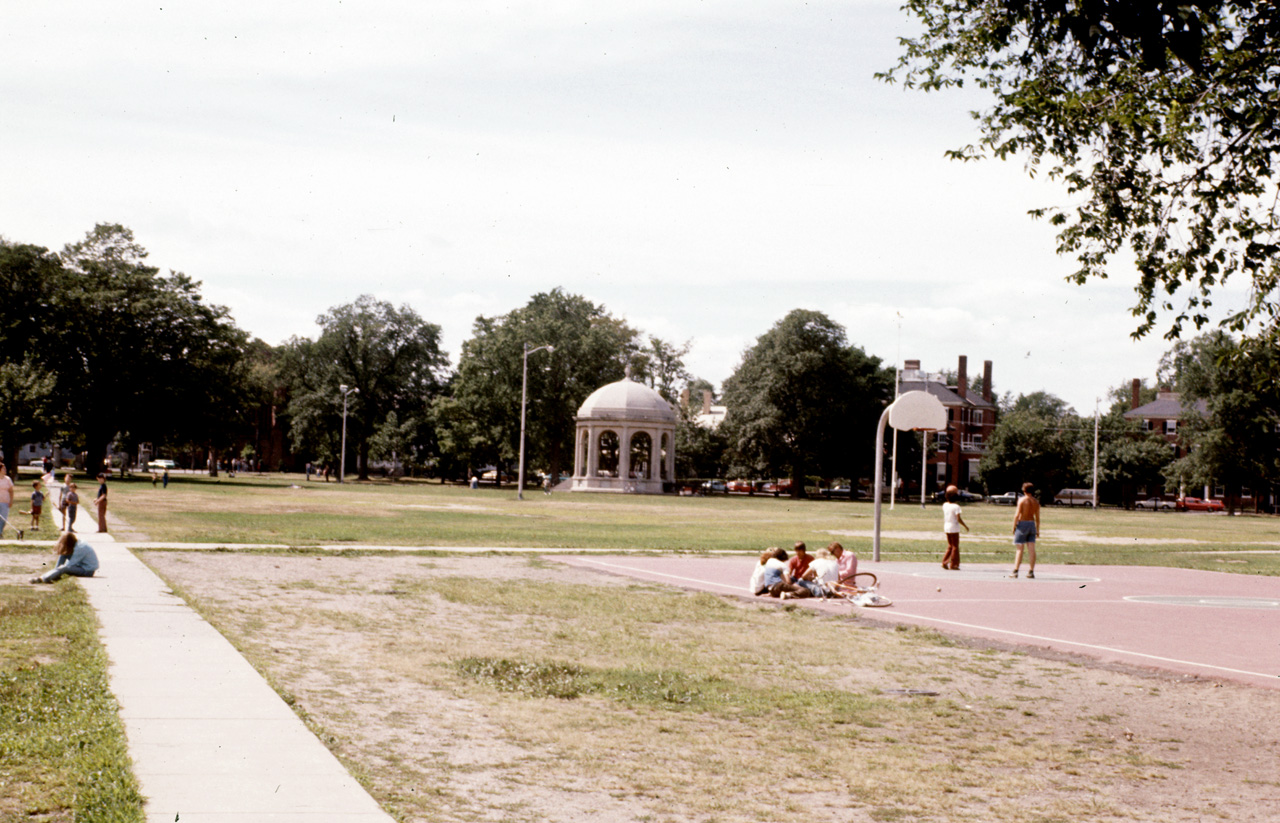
(287, 510)
(62, 746)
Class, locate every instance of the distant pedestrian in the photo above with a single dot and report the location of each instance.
(62, 499)
(1026, 527)
(6, 496)
(37, 505)
(951, 523)
(326, 472)
(308, 471)
(46, 465)
(164, 478)
(72, 500)
(75, 557)
(101, 502)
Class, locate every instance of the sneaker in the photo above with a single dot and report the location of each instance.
(1031, 575)
(1014, 574)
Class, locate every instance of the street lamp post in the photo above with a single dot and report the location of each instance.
(524, 399)
(342, 461)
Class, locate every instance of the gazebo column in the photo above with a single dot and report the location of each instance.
(655, 454)
(624, 456)
(671, 456)
(593, 452)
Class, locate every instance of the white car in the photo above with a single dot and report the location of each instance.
(161, 465)
(1157, 504)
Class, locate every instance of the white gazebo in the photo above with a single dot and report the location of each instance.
(625, 440)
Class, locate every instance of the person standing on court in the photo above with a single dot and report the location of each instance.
(951, 523)
(1026, 526)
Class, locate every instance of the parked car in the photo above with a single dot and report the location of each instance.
(1074, 497)
(1006, 499)
(964, 496)
(837, 491)
(1196, 504)
(1158, 504)
(161, 465)
(778, 487)
(742, 486)
(714, 487)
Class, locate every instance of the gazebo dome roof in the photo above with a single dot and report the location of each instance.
(627, 400)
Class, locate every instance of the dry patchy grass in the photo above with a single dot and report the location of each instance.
(501, 689)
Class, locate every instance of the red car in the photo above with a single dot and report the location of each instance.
(1195, 504)
(742, 486)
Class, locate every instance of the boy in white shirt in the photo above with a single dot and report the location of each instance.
(951, 523)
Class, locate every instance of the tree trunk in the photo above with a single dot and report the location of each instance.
(11, 449)
(95, 443)
(797, 481)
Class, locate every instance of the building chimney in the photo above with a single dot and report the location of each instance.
(962, 377)
(986, 380)
(1135, 396)
(684, 398)
(706, 401)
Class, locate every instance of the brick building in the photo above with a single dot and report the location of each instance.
(971, 417)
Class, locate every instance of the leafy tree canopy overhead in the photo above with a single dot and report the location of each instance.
(1161, 118)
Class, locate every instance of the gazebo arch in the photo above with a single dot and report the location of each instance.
(625, 440)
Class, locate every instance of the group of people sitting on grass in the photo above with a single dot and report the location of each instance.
(803, 574)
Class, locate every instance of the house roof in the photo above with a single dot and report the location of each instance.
(945, 394)
(1168, 406)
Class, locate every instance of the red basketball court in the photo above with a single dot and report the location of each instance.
(1194, 623)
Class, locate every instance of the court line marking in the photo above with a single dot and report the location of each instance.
(975, 627)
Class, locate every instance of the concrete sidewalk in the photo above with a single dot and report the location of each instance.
(211, 742)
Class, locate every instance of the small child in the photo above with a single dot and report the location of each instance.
(72, 500)
(37, 506)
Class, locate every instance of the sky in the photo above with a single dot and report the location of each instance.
(697, 168)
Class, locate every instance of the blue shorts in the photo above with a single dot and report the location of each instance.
(1024, 532)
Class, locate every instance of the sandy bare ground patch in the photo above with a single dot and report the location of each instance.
(367, 647)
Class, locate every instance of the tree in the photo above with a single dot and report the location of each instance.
(803, 400)
(29, 277)
(1160, 118)
(145, 357)
(1039, 439)
(1236, 443)
(700, 450)
(391, 361)
(481, 420)
(660, 365)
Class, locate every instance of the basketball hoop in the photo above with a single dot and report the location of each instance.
(913, 411)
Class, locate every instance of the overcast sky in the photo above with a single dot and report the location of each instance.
(699, 168)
